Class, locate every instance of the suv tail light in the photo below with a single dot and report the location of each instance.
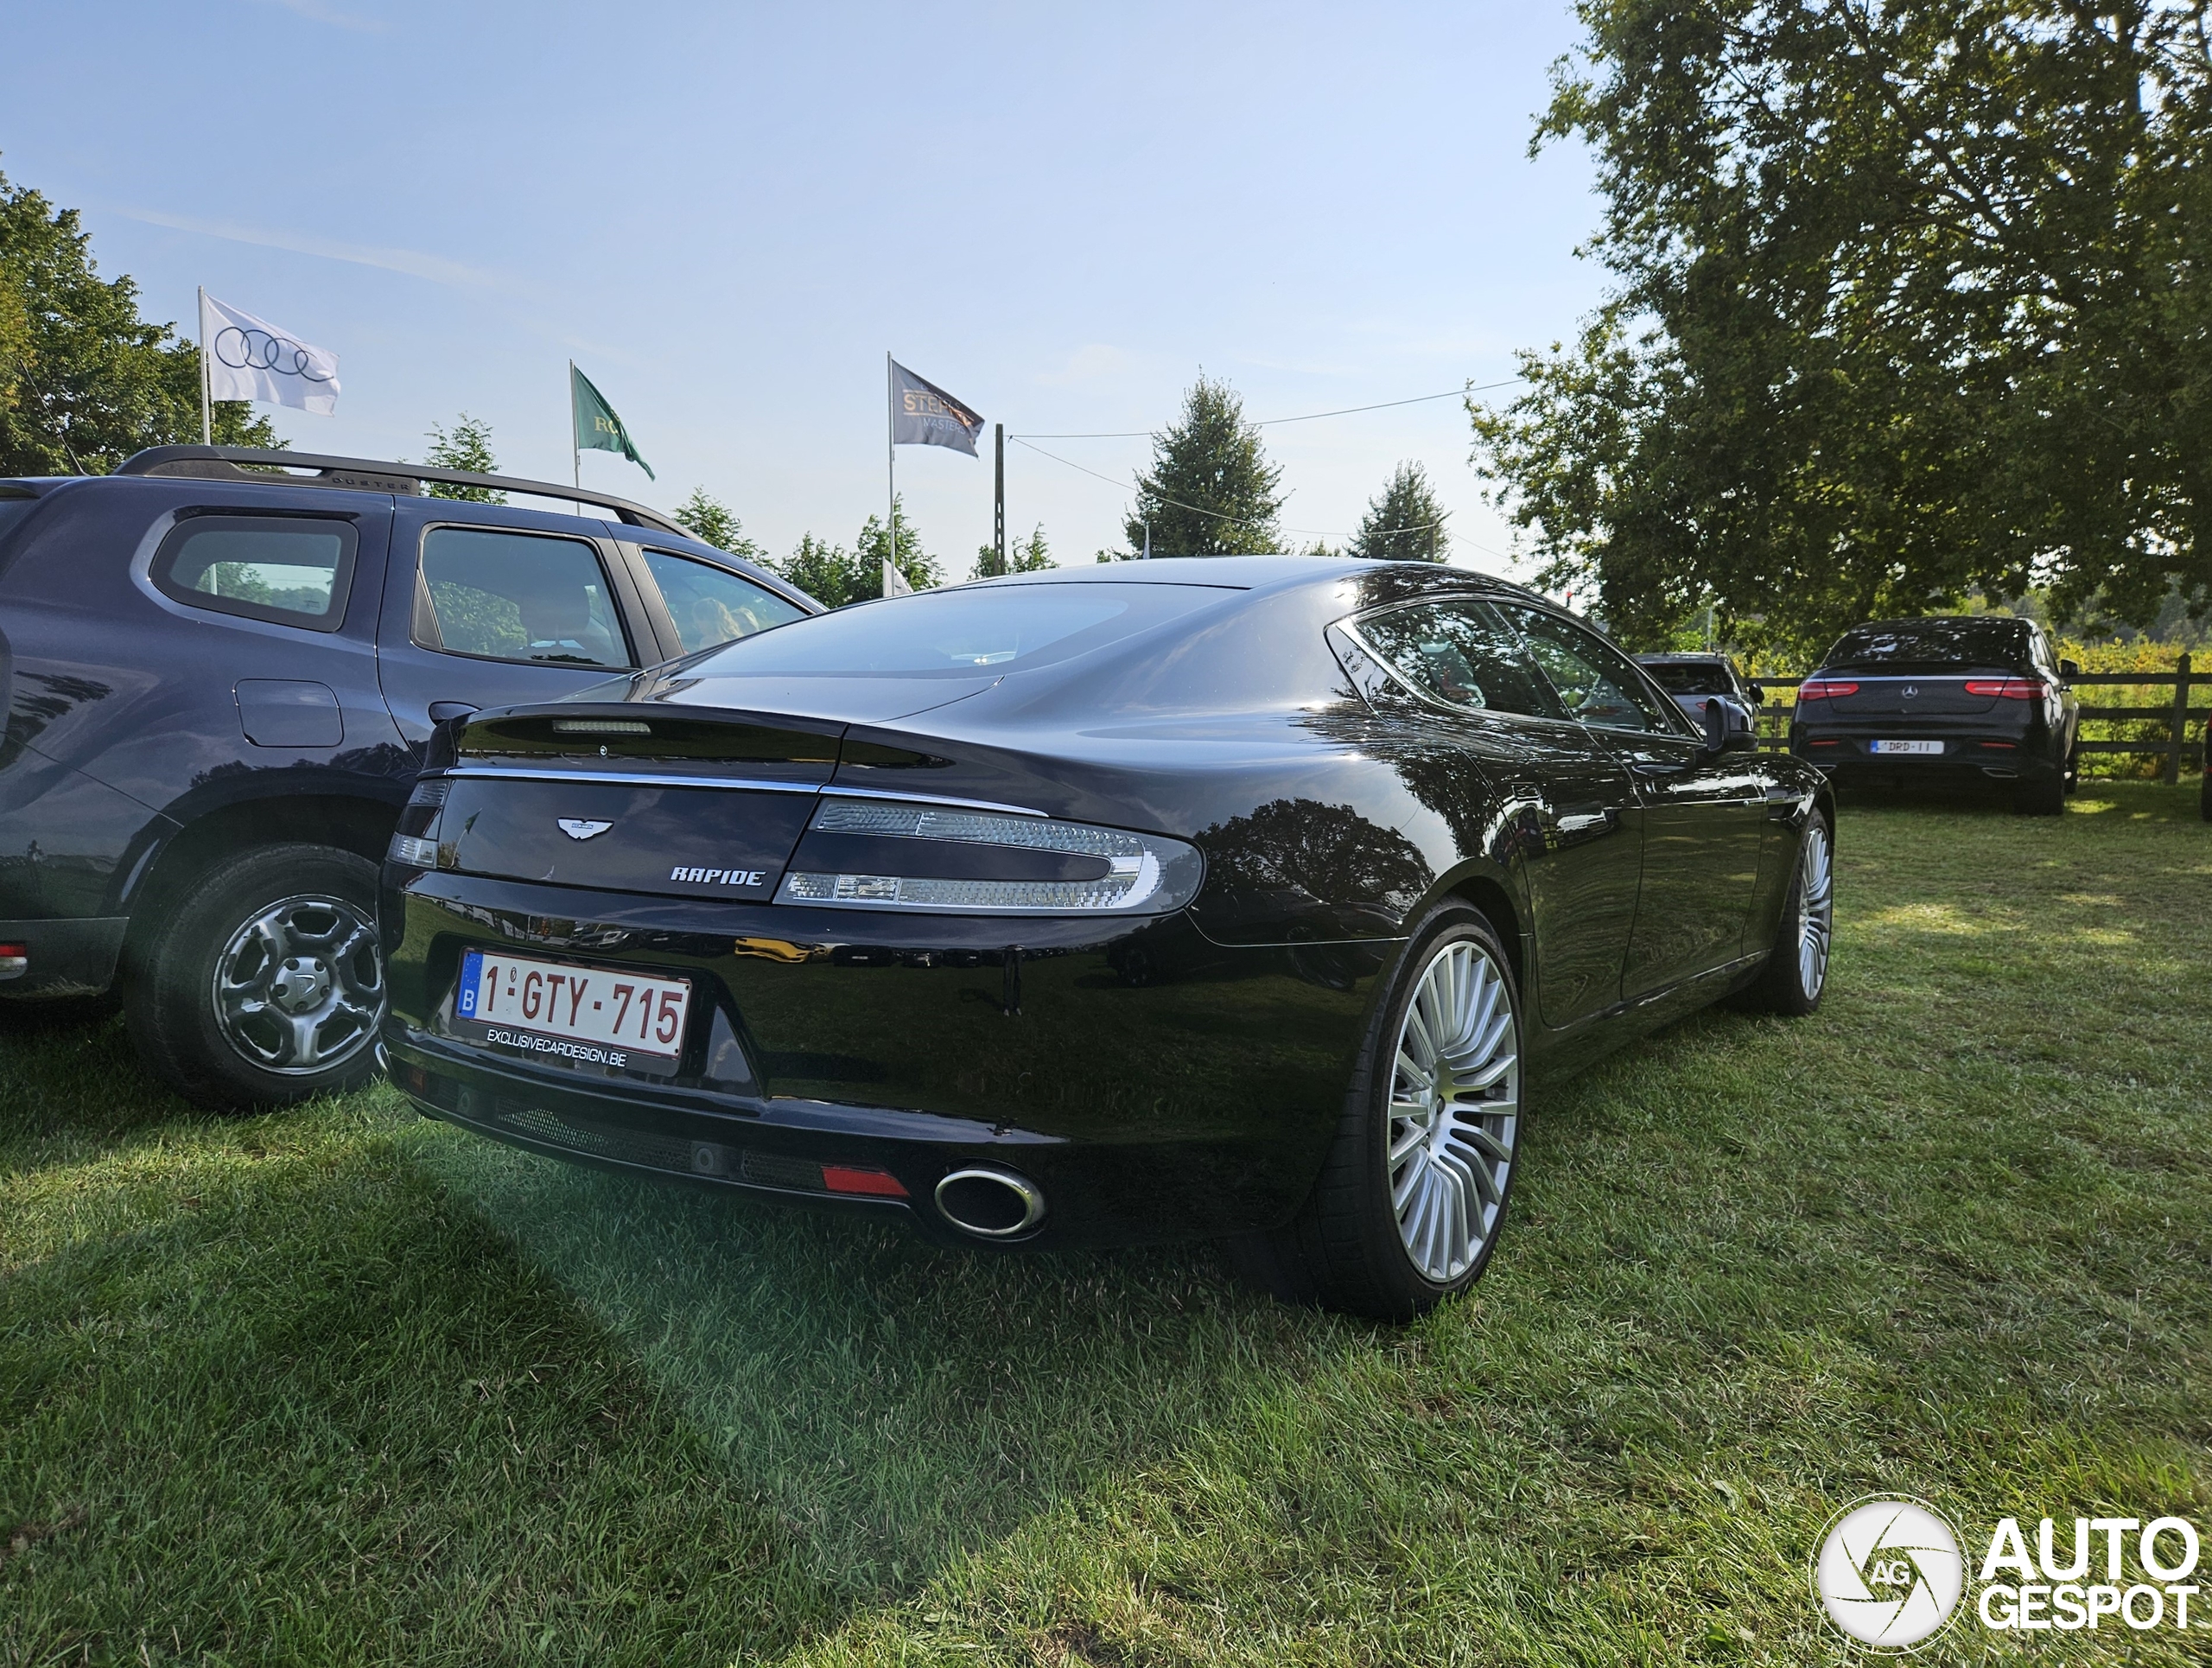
(1822, 689)
(416, 843)
(2006, 688)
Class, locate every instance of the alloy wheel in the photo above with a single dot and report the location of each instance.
(1455, 1107)
(1817, 908)
(299, 988)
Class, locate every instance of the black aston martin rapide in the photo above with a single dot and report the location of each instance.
(1238, 897)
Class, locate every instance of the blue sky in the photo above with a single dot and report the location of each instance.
(727, 215)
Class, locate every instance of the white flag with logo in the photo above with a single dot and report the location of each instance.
(251, 359)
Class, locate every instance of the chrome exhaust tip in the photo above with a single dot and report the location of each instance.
(990, 1203)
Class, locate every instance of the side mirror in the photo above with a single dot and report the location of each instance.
(1716, 728)
(2068, 669)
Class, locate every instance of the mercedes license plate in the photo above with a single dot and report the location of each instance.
(1904, 746)
(560, 1012)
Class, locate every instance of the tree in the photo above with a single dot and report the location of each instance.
(1019, 557)
(1406, 522)
(1210, 490)
(874, 543)
(714, 524)
(829, 573)
(466, 445)
(83, 380)
(1911, 303)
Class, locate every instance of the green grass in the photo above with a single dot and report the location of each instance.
(343, 1385)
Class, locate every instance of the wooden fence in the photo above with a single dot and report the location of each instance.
(2174, 715)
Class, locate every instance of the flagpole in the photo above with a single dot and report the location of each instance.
(206, 407)
(575, 453)
(891, 455)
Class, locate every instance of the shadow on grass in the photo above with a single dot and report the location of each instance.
(895, 1403)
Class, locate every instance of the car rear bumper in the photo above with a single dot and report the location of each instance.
(1848, 755)
(61, 958)
(1150, 1084)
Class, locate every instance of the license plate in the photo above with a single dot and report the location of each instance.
(577, 1016)
(1904, 746)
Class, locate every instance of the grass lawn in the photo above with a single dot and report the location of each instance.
(340, 1384)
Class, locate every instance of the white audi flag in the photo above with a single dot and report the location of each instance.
(249, 358)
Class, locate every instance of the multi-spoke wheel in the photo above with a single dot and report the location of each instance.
(263, 984)
(1410, 1200)
(1797, 970)
(1455, 1105)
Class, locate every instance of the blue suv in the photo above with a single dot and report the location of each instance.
(221, 676)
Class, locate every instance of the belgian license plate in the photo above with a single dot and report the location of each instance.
(1904, 746)
(580, 1015)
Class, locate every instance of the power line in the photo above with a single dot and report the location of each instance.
(1310, 417)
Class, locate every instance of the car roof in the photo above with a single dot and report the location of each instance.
(1684, 660)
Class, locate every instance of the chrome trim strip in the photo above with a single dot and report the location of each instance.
(742, 784)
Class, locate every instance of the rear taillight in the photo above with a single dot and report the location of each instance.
(416, 843)
(878, 854)
(15, 960)
(2005, 689)
(1825, 689)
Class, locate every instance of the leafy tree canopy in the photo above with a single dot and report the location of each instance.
(1021, 556)
(874, 543)
(83, 380)
(466, 445)
(1210, 490)
(1405, 523)
(1912, 302)
(716, 525)
(834, 576)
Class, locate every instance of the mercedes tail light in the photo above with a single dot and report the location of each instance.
(875, 854)
(1825, 689)
(2005, 689)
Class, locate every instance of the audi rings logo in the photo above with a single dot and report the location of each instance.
(260, 350)
(1889, 1573)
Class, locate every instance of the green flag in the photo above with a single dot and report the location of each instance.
(598, 429)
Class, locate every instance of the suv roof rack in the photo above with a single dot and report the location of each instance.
(370, 476)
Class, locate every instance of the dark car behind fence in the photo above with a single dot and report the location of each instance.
(2162, 729)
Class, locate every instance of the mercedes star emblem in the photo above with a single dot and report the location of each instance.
(582, 828)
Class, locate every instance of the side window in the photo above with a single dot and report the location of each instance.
(292, 570)
(516, 596)
(1460, 654)
(711, 606)
(1596, 683)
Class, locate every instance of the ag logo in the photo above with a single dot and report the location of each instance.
(1889, 1573)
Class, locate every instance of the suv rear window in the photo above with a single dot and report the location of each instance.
(293, 571)
(1690, 678)
(517, 596)
(1944, 640)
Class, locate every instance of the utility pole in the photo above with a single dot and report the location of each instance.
(998, 499)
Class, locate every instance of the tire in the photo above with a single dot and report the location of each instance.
(1794, 975)
(2073, 766)
(264, 986)
(1348, 1248)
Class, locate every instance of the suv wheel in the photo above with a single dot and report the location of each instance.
(265, 985)
(1409, 1203)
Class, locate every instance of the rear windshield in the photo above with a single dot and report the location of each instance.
(960, 633)
(1677, 678)
(1951, 639)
